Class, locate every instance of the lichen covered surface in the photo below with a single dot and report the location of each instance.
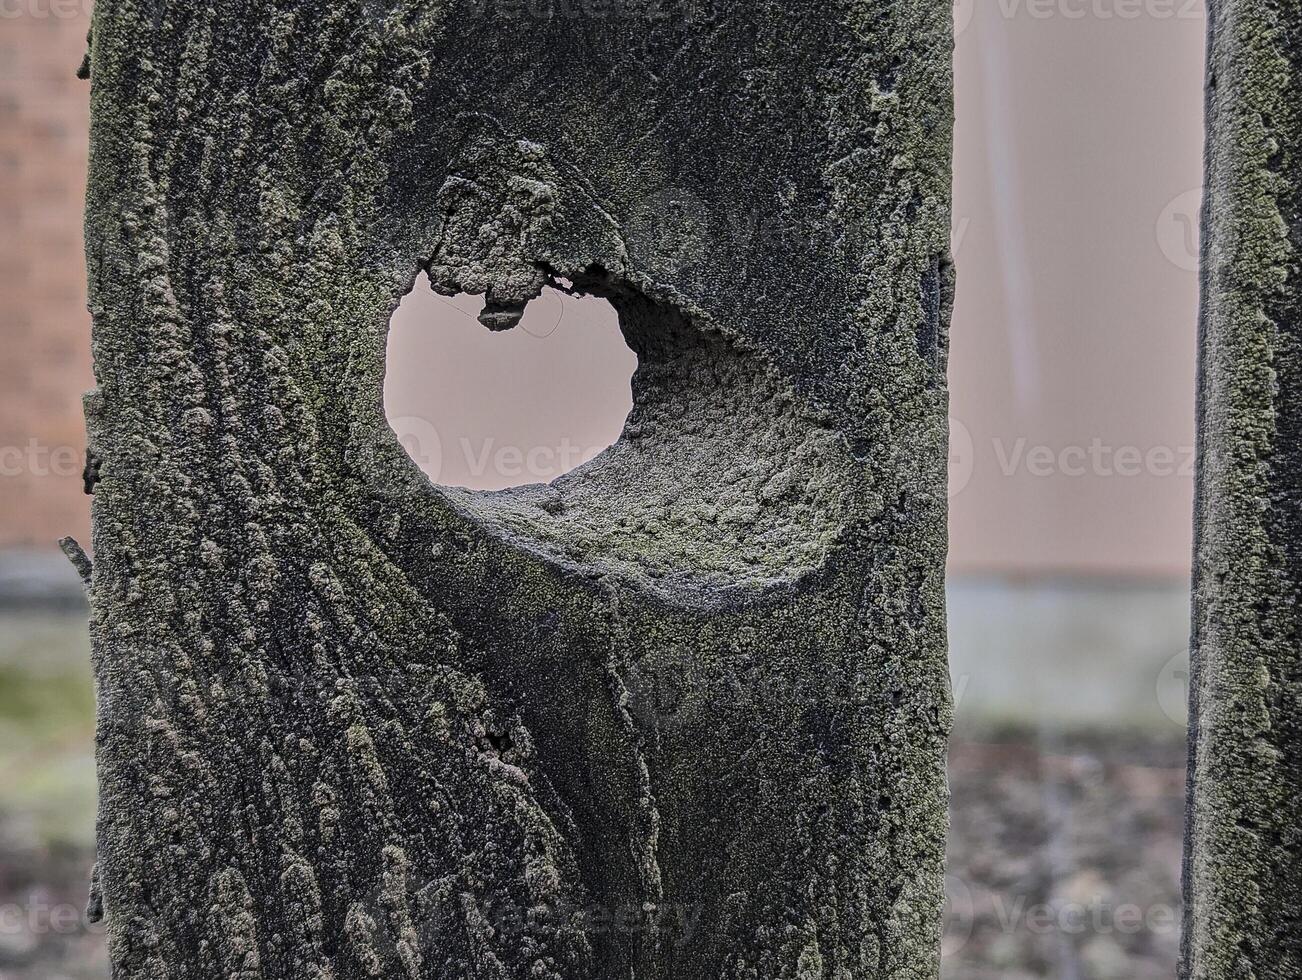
(1244, 837)
(681, 714)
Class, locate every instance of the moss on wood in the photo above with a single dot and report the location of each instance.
(680, 715)
(1244, 845)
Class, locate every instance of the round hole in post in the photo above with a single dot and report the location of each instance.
(718, 479)
(485, 408)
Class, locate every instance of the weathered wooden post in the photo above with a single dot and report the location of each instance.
(1243, 878)
(681, 714)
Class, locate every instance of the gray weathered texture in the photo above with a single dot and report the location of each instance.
(1243, 878)
(680, 715)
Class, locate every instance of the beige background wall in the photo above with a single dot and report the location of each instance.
(1078, 159)
(1077, 297)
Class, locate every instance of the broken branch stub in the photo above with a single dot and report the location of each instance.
(680, 714)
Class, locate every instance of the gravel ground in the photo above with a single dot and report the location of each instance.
(1064, 853)
(1065, 865)
(1065, 859)
(44, 934)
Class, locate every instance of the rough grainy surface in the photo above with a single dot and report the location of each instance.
(647, 723)
(1064, 861)
(1064, 857)
(1244, 861)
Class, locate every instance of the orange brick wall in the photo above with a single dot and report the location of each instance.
(44, 326)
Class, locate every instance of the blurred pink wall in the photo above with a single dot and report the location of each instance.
(490, 410)
(1078, 159)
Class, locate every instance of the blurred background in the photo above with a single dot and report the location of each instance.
(1078, 164)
